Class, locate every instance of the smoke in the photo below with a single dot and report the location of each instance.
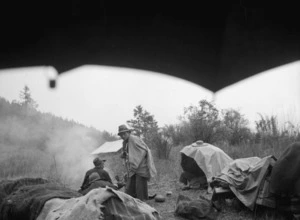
(42, 145)
(33, 144)
(71, 152)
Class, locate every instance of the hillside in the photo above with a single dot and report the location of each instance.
(42, 144)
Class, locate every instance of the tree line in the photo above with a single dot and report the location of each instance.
(221, 127)
(23, 124)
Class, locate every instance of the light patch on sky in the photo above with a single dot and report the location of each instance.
(273, 92)
(104, 97)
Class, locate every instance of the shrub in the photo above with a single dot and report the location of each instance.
(235, 127)
(203, 122)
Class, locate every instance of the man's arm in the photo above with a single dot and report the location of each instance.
(105, 176)
(85, 181)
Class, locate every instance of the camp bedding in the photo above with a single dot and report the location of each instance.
(101, 203)
(209, 158)
(245, 177)
(38, 199)
(26, 199)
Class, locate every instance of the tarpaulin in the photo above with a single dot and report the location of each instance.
(245, 177)
(101, 203)
(209, 158)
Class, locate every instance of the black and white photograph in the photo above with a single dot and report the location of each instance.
(149, 110)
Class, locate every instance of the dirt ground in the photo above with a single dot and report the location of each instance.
(229, 210)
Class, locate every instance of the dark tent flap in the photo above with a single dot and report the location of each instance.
(211, 44)
(287, 171)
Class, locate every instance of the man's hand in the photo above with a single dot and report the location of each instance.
(124, 155)
(125, 177)
(120, 185)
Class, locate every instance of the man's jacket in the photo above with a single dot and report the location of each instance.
(140, 160)
(102, 173)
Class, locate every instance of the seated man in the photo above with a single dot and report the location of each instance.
(96, 177)
(192, 181)
(192, 176)
(96, 182)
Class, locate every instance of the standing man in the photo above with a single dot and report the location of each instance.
(139, 164)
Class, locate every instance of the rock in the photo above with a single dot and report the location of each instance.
(159, 198)
(168, 193)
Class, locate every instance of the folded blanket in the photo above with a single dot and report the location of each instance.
(9, 186)
(24, 199)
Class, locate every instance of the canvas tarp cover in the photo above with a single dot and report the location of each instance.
(100, 203)
(209, 158)
(245, 177)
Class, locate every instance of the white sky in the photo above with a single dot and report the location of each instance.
(104, 97)
(273, 92)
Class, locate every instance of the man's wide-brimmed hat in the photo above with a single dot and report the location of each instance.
(97, 161)
(122, 129)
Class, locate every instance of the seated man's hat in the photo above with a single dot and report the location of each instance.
(97, 161)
